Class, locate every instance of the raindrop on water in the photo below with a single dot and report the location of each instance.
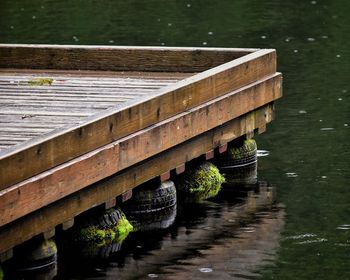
(302, 112)
(111, 41)
(324, 37)
(33, 17)
(188, 5)
(313, 2)
(263, 37)
(311, 39)
(205, 269)
(210, 33)
(295, 51)
(12, 27)
(324, 177)
(152, 275)
(346, 125)
(75, 38)
(338, 56)
(262, 153)
(204, 43)
(327, 128)
(170, 24)
(291, 174)
(340, 99)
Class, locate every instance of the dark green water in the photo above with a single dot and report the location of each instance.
(308, 142)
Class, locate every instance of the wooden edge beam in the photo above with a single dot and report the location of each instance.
(64, 144)
(70, 177)
(122, 183)
(116, 58)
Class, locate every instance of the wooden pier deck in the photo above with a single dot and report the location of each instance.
(72, 116)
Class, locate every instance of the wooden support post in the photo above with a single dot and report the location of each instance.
(126, 195)
(68, 224)
(49, 234)
(165, 176)
(223, 148)
(180, 169)
(110, 203)
(209, 155)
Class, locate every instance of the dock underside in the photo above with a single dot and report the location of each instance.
(78, 129)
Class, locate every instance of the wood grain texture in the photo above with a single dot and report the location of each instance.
(63, 145)
(143, 59)
(41, 190)
(65, 209)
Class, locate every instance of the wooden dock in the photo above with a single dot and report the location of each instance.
(81, 125)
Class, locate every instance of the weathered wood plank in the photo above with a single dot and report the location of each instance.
(48, 187)
(116, 58)
(56, 148)
(69, 207)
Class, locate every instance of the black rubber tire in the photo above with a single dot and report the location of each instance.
(155, 220)
(108, 219)
(239, 156)
(245, 175)
(148, 200)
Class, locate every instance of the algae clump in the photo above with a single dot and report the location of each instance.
(248, 147)
(40, 82)
(102, 233)
(201, 183)
(123, 228)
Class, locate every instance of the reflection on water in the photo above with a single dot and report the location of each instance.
(233, 235)
(308, 142)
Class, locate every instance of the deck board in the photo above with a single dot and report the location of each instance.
(28, 111)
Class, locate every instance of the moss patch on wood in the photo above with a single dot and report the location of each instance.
(40, 82)
(201, 183)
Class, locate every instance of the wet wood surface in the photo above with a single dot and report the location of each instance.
(29, 110)
(66, 143)
(65, 209)
(130, 113)
(22, 198)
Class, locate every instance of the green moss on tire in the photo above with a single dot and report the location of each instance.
(99, 231)
(201, 183)
(123, 228)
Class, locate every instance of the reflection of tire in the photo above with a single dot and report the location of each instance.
(147, 200)
(155, 220)
(35, 255)
(245, 175)
(92, 250)
(239, 156)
